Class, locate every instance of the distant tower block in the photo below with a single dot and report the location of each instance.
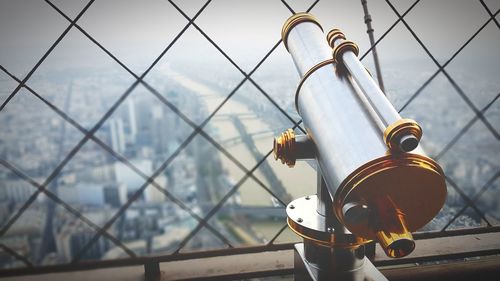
(117, 135)
(132, 120)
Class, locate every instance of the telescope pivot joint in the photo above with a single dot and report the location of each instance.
(289, 147)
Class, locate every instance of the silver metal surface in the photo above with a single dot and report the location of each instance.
(303, 213)
(375, 96)
(313, 263)
(372, 273)
(324, 201)
(304, 147)
(341, 127)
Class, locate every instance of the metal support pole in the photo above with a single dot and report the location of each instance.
(152, 271)
(369, 30)
(325, 205)
(315, 261)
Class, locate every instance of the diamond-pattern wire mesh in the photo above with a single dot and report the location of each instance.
(199, 130)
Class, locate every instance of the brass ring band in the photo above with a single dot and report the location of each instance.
(324, 241)
(306, 75)
(394, 132)
(294, 20)
(284, 148)
(333, 35)
(339, 50)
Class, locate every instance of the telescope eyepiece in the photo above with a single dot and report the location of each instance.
(400, 248)
(403, 135)
(408, 143)
(391, 230)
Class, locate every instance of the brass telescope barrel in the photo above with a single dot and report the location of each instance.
(382, 184)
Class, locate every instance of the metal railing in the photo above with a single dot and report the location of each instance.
(199, 129)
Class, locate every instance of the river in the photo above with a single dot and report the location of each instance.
(299, 181)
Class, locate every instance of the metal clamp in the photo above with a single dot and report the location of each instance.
(346, 45)
(343, 47)
(333, 35)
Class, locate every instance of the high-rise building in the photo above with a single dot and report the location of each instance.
(73, 237)
(132, 120)
(94, 194)
(132, 180)
(163, 131)
(83, 193)
(117, 134)
(15, 191)
(115, 194)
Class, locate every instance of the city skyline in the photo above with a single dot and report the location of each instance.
(97, 184)
(191, 143)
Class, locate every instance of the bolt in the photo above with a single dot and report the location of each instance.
(300, 220)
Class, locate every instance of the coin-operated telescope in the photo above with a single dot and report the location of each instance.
(375, 183)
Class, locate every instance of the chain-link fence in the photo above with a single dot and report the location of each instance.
(106, 156)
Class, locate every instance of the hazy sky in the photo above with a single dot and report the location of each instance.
(137, 31)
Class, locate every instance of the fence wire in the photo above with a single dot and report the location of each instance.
(201, 130)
